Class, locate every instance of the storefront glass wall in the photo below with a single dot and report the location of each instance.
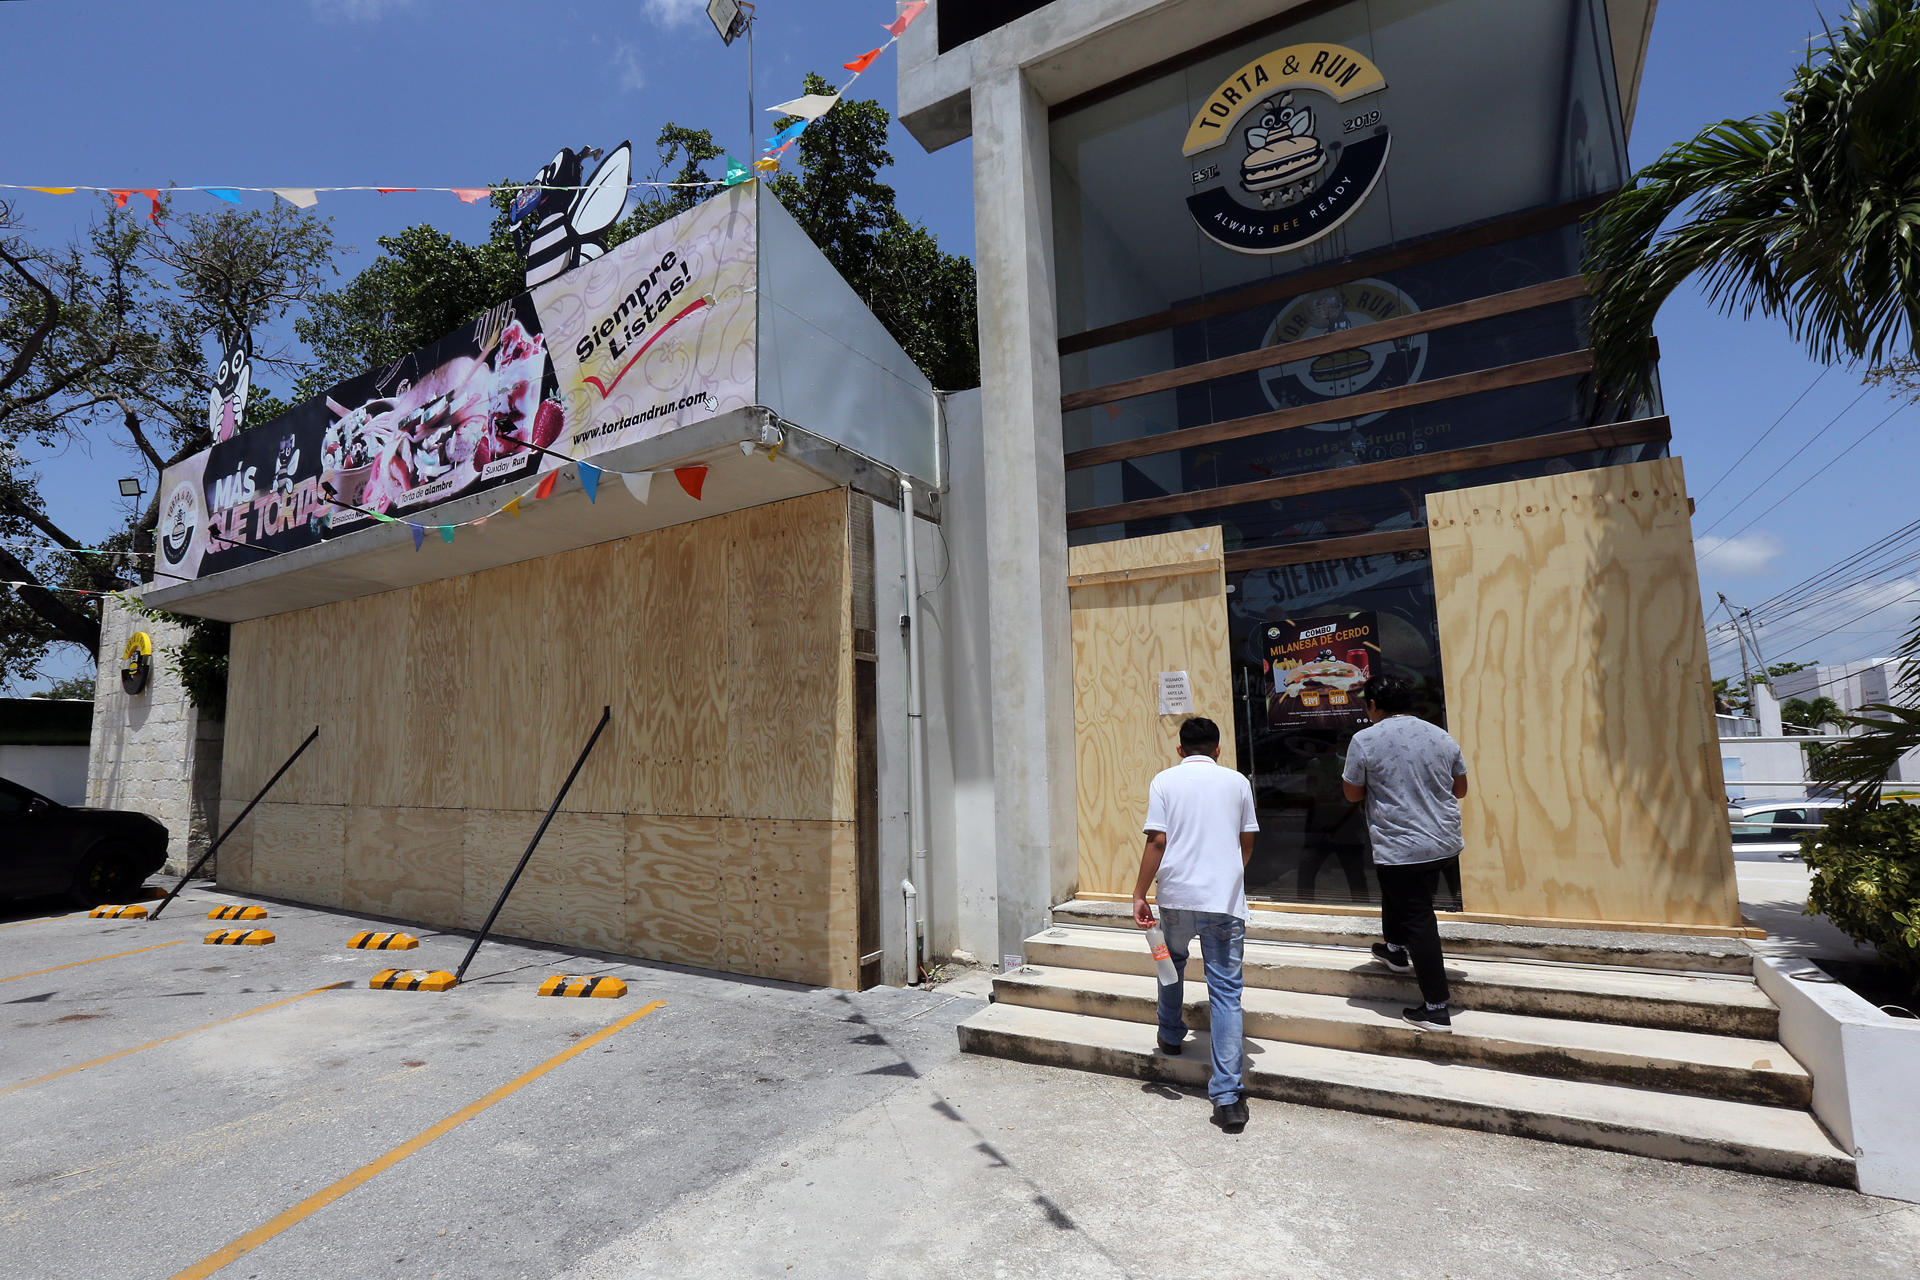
(1492, 108)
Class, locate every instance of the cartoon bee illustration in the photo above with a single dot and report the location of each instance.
(561, 221)
(1282, 153)
(232, 377)
(285, 464)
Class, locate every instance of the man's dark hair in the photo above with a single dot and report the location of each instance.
(1392, 694)
(1197, 733)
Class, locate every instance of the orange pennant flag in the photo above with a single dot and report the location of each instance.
(120, 198)
(513, 508)
(546, 485)
(864, 61)
(692, 479)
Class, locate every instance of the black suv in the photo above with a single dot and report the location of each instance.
(91, 855)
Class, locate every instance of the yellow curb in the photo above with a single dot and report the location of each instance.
(117, 913)
(235, 913)
(383, 942)
(239, 938)
(412, 980)
(601, 988)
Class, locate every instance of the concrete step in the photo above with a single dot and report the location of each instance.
(1730, 1067)
(1714, 1005)
(1685, 953)
(1732, 1135)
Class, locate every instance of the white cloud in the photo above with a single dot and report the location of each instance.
(357, 10)
(674, 13)
(626, 61)
(1739, 557)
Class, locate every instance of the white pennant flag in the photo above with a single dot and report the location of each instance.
(639, 484)
(811, 107)
(304, 197)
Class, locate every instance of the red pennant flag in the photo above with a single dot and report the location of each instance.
(862, 62)
(908, 12)
(546, 485)
(387, 191)
(467, 195)
(153, 214)
(691, 479)
(120, 198)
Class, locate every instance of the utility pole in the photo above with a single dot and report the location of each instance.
(1746, 670)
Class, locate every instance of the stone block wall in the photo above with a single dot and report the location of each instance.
(153, 751)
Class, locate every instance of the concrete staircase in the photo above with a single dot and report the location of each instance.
(1655, 1045)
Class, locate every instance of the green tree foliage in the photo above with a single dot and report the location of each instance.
(110, 342)
(78, 688)
(1809, 214)
(1866, 879)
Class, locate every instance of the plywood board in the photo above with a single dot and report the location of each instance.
(298, 852)
(1577, 684)
(680, 872)
(790, 883)
(405, 863)
(233, 865)
(438, 751)
(1125, 632)
(677, 644)
(573, 890)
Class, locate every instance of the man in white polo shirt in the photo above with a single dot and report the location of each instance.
(1200, 828)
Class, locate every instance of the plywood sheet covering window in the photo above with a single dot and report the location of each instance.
(1577, 684)
(714, 824)
(1170, 614)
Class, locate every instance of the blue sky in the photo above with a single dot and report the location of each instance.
(463, 92)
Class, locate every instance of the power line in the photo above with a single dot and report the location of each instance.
(1810, 479)
(1764, 434)
(1789, 462)
(1821, 576)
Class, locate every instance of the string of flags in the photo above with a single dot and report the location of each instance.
(808, 108)
(54, 546)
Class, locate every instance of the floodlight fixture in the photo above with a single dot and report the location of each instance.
(130, 487)
(727, 18)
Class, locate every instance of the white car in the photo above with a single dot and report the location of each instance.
(1771, 831)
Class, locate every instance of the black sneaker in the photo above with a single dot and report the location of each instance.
(1170, 1048)
(1428, 1018)
(1231, 1116)
(1395, 959)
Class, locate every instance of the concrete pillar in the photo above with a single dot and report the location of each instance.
(1028, 624)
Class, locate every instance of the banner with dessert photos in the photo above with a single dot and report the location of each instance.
(1318, 669)
(655, 335)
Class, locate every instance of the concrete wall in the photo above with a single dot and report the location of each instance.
(58, 772)
(153, 751)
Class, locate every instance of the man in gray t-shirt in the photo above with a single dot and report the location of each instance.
(1411, 776)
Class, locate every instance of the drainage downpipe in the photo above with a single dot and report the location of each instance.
(916, 887)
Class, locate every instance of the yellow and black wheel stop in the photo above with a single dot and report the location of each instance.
(383, 942)
(239, 938)
(236, 913)
(412, 980)
(118, 913)
(601, 988)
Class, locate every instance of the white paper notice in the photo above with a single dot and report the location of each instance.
(1176, 699)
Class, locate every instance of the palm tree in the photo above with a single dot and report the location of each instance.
(1810, 716)
(1810, 214)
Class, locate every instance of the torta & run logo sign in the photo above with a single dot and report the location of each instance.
(1287, 148)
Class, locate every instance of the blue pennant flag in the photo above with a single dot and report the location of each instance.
(793, 130)
(590, 481)
(229, 194)
(419, 534)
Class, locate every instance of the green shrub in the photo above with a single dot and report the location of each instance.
(1866, 879)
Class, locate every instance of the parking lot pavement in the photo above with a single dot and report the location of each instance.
(178, 1109)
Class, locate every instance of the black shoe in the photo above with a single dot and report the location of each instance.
(1393, 957)
(1171, 1049)
(1231, 1116)
(1428, 1019)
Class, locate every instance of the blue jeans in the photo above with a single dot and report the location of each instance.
(1223, 940)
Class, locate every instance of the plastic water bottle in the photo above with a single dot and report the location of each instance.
(1162, 959)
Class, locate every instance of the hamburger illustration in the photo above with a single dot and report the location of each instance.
(1281, 150)
(1352, 363)
(1324, 672)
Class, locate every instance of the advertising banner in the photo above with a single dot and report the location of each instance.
(1318, 667)
(655, 335)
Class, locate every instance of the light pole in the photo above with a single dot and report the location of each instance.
(731, 18)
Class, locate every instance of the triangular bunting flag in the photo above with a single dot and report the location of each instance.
(810, 107)
(120, 198)
(299, 197)
(446, 533)
(546, 485)
(766, 164)
(691, 479)
(54, 191)
(864, 61)
(909, 10)
(382, 519)
(419, 534)
(737, 173)
(589, 480)
(470, 195)
(153, 213)
(387, 191)
(787, 134)
(230, 194)
(513, 508)
(639, 484)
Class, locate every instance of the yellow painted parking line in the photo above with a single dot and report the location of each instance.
(21, 924)
(153, 1044)
(367, 1172)
(96, 960)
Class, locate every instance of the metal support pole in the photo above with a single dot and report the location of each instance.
(606, 714)
(214, 847)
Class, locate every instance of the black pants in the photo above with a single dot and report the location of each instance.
(1407, 921)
